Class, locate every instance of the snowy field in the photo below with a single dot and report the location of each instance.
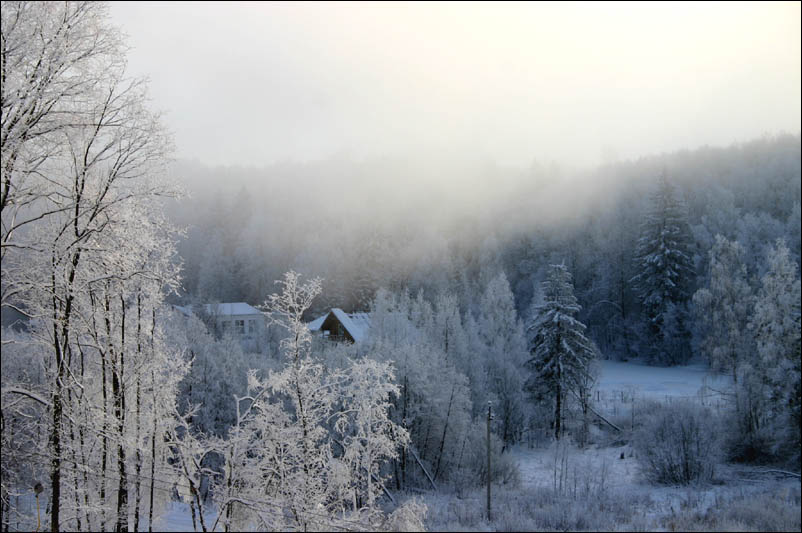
(657, 382)
(624, 387)
(563, 488)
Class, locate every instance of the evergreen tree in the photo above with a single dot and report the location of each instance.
(560, 353)
(664, 265)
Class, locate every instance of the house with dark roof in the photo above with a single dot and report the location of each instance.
(337, 325)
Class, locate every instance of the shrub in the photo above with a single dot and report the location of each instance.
(409, 516)
(472, 472)
(677, 444)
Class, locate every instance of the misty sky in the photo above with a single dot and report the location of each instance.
(579, 84)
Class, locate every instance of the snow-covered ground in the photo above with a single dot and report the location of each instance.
(563, 479)
(624, 387)
(179, 518)
(601, 487)
(568, 471)
(658, 382)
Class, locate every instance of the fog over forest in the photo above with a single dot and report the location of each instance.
(441, 224)
(391, 266)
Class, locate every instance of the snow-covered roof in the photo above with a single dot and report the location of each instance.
(235, 308)
(357, 324)
(316, 323)
(226, 309)
(360, 322)
(184, 310)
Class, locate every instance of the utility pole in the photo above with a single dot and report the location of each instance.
(489, 416)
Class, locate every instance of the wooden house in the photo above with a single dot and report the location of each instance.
(337, 325)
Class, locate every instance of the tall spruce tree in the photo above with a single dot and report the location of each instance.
(560, 353)
(664, 265)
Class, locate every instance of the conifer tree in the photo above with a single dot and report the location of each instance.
(560, 353)
(664, 265)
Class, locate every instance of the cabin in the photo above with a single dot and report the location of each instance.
(237, 318)
(337, 325)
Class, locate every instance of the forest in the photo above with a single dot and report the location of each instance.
(498, 297)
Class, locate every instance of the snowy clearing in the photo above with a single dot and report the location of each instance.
(658, 382)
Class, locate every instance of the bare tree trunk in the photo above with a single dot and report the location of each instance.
(445, 429)
(55, 464)
(75, 478)
(55, 434)
(153, 433)
(404, 425)
(4, 505)
(152, 461)
(558, 411)
(192, 510)
(118, 391)
(83, 452)
(489, 473)
(3, 515)
(138, 415)
(105, 442)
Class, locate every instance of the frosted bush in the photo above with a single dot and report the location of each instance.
(677, 444)
(409, 516)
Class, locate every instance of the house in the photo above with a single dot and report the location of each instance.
(240, 319)
(337, 325)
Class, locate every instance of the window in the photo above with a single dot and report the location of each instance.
(240, 324)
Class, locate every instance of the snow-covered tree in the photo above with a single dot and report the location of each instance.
(504, 347)
(723, 309)
(560, 354)
(217, 373)
(46, 81)
(310, 439)
(776, 326)
(664, 271)
(434, 403)
(87, 255)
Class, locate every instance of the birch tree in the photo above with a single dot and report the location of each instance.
(776, 326)
(505, 352)
(86, 254)
(52, 56)
(310, 439)
(724, 308)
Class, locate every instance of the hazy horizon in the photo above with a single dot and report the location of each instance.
(252, 84)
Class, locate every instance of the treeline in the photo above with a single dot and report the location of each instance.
(437, 226)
